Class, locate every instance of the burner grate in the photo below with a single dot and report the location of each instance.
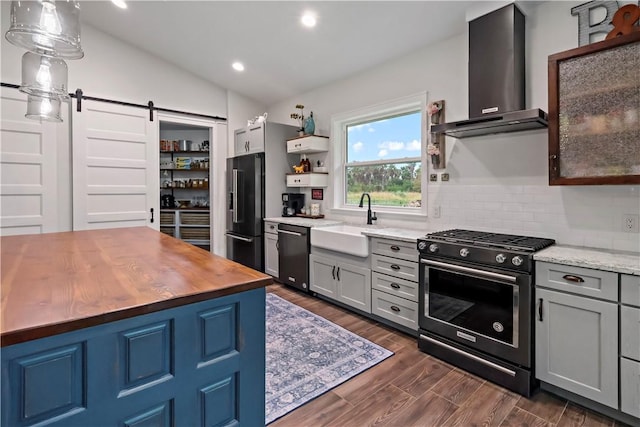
(495, 240)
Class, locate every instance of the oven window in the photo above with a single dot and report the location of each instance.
(481, 306)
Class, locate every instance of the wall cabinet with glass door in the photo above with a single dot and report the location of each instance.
(318, 175)
(594, 113)
(185, 182)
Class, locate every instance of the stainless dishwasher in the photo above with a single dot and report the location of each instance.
(293, 256)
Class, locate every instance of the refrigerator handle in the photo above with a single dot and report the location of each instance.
(234, 195)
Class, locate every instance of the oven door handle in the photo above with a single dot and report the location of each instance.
(474, 271)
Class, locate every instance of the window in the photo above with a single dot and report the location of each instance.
(382, 154)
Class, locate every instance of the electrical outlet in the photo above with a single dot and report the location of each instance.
(630, 223)
(436, 212)
(444, 176)
(433, 177)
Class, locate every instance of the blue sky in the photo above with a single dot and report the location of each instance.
(385, 139)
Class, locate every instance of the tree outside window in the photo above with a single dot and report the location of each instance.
(383, 158)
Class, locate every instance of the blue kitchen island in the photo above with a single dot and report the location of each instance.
(129, 327)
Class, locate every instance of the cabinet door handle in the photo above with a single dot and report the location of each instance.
(278, 245)
(151, 215)
(395, 285)
(572, 278)
(394, 308)
(338, 273)
(540, 309)
(333, 272)
(395, 248)
(395, 267)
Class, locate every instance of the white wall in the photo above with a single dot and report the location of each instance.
(498, 183)
(116, 70)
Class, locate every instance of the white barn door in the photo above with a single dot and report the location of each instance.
(115, 167)
(28, 169)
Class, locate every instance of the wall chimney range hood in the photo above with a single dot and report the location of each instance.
(496, 78)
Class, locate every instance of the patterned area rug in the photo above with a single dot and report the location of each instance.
(307, 355)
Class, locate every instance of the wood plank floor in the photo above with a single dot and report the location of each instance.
(412, 388)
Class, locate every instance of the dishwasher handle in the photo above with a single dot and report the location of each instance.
(293, 233)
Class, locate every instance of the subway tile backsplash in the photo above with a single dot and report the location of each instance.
(583, 216)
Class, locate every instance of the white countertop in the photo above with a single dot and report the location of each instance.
(303, 222)
(402, 234)
(599, 259)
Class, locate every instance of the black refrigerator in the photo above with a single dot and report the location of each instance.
(245, 209)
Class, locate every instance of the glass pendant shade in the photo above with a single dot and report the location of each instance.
(44, 108)
(47, 27)
(44, 76)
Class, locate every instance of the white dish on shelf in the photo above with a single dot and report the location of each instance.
(320, 169)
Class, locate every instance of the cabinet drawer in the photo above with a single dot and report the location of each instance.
(308, 144)
(630, 387)
(307, 180)
(630, 332)
(167, 218)
(630, 289)
(395, 267)
(394, 248)
(271, 227)
(578, 280)
(194, 218)
(394, 286)
(398, 310)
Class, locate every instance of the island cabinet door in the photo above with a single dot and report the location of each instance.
(201, 364)
(577, 345)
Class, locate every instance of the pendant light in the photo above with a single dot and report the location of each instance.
(43, 108)
(50, 31)
(44, 76)
(46, 27)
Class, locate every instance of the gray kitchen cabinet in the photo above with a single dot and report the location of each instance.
(630, 387)
(249, 140)
(271, 261)
(398, 310)
(630, 344)
(341, 281)
(394, 281)
(577, 344)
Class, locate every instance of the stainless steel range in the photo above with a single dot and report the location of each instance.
(476, 303)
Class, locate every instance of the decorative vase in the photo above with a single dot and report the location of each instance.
(309, 125)
(435, 160)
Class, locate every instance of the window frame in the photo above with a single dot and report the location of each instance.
(339, 123)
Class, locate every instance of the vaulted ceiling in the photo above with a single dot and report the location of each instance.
(281, 57)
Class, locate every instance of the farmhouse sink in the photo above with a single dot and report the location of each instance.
(341, 238)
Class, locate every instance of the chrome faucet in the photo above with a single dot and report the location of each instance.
(370, 217)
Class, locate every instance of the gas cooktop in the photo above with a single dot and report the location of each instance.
(492, 240)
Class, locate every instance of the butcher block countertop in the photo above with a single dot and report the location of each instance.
(61, 282)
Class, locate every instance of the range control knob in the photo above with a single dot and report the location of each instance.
(464, 252)
(500, 258)
(516, 260)
(433, 247)
(422, 246)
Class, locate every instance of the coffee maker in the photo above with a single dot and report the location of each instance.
(292, 203)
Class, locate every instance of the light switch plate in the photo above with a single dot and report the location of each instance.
(433, 177)
(444, 177)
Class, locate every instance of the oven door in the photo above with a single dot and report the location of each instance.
(483, 308)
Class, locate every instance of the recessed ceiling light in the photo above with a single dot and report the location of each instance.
(238, 66)
(120, 3)
(308, 19)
